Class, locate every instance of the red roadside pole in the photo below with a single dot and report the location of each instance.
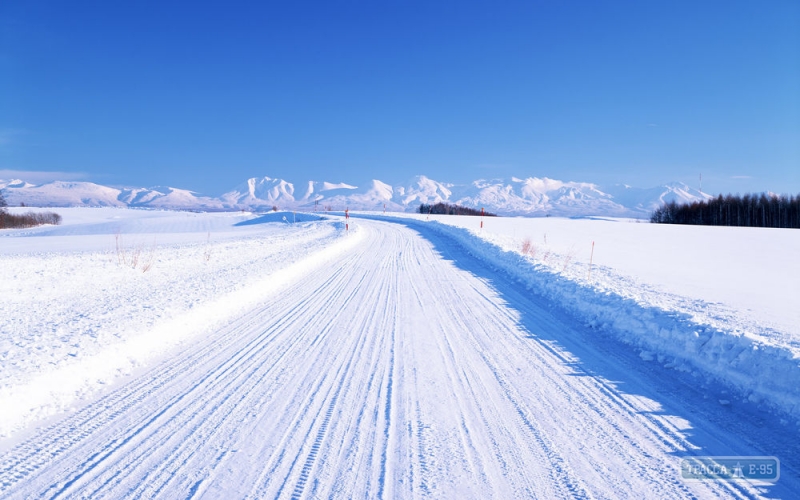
(347, 219)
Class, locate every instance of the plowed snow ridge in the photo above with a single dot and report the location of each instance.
(727, 351)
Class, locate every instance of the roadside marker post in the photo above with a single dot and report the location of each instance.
(591, 258)
(347, 219)
(481, 217)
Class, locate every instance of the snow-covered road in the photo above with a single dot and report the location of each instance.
(406, 369)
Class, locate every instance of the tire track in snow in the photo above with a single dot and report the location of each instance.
(325, 311)
(356, 349)
(209, 385)
(188, 415)
(373, 345)
(132, 394)
(249, 373)
(509, 459)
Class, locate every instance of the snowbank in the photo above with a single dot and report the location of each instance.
(761, 364)
(113, 290)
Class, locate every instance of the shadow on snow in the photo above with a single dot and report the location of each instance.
(283, 217)
(714, 429)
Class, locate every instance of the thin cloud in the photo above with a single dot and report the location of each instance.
(38, 176)
(741, 177)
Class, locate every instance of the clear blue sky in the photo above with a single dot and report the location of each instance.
(203, 95)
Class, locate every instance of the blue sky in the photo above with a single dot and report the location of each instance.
(203, 95)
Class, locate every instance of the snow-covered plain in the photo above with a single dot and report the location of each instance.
(404, 358)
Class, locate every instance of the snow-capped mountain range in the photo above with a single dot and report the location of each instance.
(532, 196)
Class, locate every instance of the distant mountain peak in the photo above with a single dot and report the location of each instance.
(513, 196)
(329, 186)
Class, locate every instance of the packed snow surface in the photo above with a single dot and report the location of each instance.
(278, 355)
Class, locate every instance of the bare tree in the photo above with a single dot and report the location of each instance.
(754, 210)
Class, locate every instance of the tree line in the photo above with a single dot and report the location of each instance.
(751, 210)
(30, 219)
(448, 209)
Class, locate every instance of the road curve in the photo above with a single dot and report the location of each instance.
(407, 369)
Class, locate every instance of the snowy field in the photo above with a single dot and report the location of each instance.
(171, 354)
(750, 272)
